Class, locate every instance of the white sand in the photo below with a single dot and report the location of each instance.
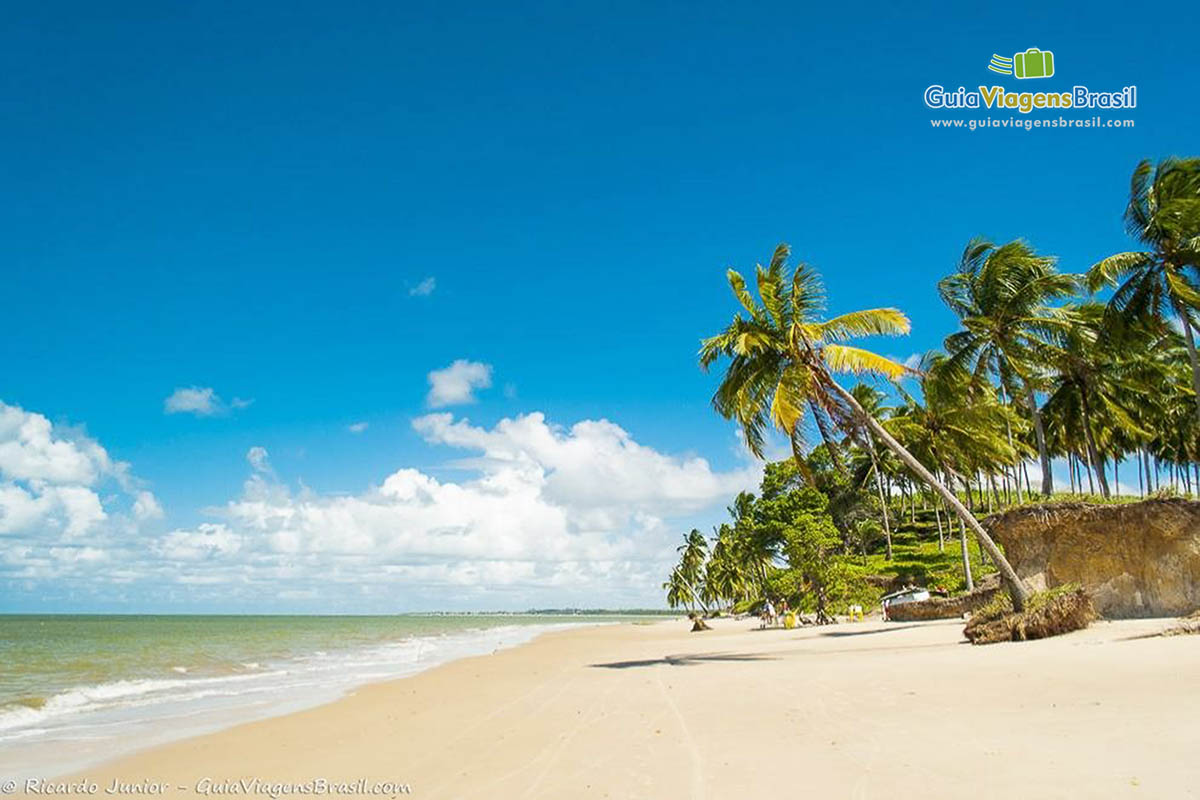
(878, 710)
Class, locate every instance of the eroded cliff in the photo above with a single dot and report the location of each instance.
(1136, 560)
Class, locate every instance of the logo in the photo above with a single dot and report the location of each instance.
(1033, 63)
(1028, 64)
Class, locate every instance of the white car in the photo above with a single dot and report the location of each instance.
(909, 595)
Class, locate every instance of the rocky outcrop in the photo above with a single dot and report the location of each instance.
(947, 607)
(1135, 560)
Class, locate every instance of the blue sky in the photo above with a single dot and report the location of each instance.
(245, 199)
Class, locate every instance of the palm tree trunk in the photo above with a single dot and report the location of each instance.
(1137, 456)
(887, 528)
(937, 513)
(1016, 587)
(966, 556)
(1040, 435)
(1189, 337)
(1093, 451)
(835, 453)
(1008, 431)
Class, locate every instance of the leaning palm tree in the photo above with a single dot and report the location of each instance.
(679, 591)
(781, 357)
(1153, 284)
(1001, 295)
(692, 555)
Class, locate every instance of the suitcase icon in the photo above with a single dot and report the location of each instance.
(1033, 63)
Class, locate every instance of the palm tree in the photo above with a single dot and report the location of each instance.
(1093, 386)
(1000, 294)
(781, 356)
(1163, 214)
(692, 554)
(751, 546)
(679, 591)
(724, 577)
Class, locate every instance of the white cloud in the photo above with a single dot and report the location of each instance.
(259, 459)
(202, 401)
(424, 288)
(548, 510)
(593, 465)
(146, 507)
(207, 541)
(535, 514)
(30, 451)
(456, 384)
(357, 427)
(51, 479)
(68, 511)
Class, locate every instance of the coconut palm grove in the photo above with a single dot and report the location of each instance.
(1055, 387)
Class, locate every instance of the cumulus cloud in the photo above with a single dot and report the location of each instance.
(201, 401)
(424, 288)
(146, 507)
(456, 384)
(207, 541)
(531, 513)
(357, 427)
(545, 509)
(30, 450)
(59, 487)
(595, 464)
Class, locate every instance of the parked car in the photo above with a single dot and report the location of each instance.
(910, 594)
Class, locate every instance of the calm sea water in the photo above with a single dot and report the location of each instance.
(75, 690)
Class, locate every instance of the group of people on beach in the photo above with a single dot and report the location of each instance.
(769, 616)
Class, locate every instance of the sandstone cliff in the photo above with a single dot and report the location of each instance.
(1136, 560)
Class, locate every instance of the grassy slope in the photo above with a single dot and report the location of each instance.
(917, 560)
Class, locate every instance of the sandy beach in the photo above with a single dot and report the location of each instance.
(652, 711)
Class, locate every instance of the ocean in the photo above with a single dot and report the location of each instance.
(78, 690)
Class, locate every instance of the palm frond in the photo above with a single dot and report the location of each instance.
(868, 322)
(1114, 269)
(842, 358)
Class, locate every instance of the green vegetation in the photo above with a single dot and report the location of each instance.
(904, 468)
